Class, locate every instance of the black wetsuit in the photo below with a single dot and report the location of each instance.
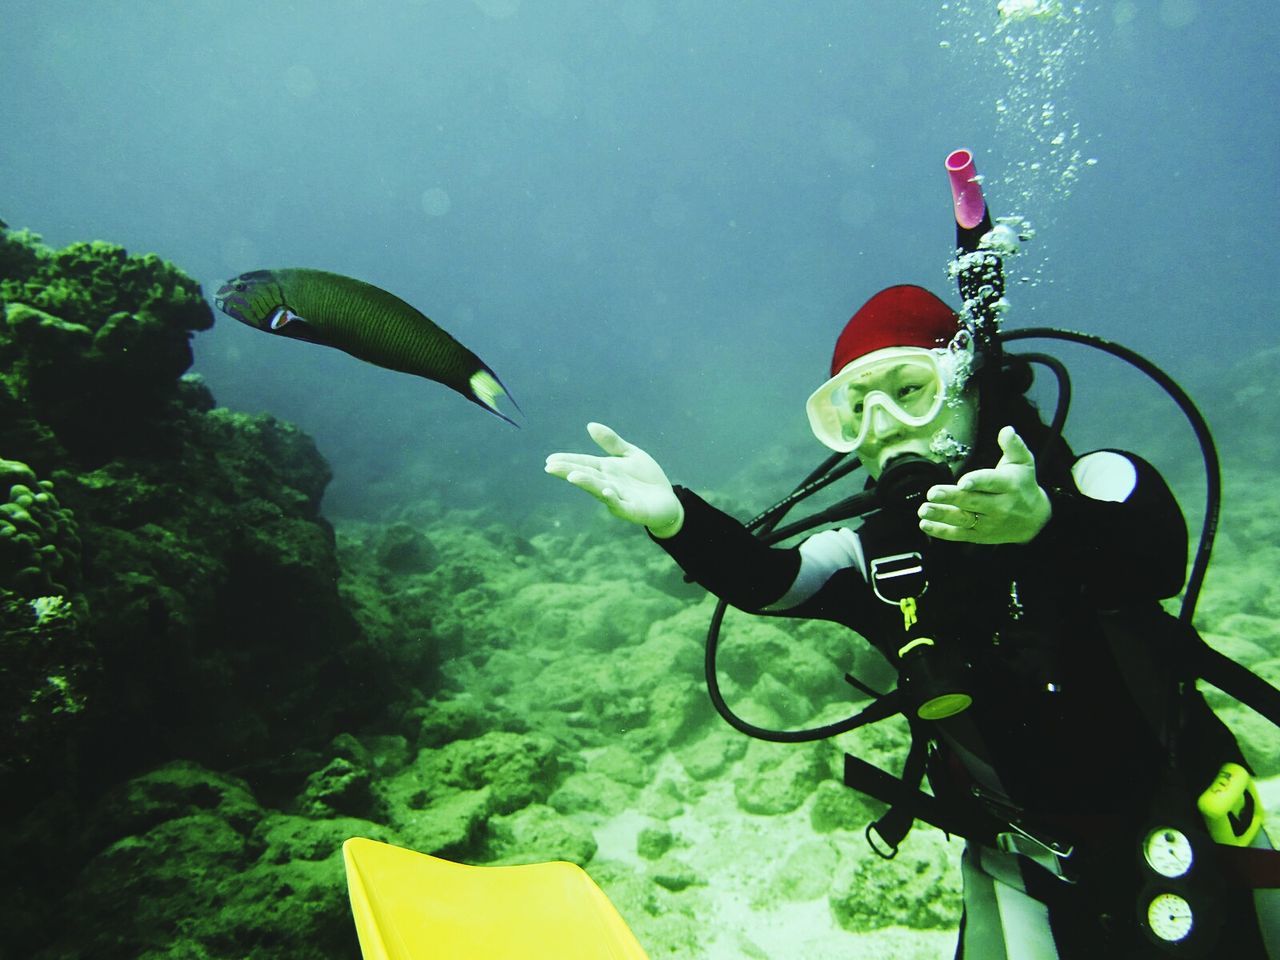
(1059, 731)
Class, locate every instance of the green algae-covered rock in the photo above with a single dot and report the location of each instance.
(884, 744)
(665, 800)
(20, 252)
(673, 646)
(592, 793)
(517, 769)
(781, 700)
(806, 872)
(667, 924)
(1245, 636)
(193, 887)
(204, 622)
(385, 753)
(920, 888)
(618, 763)
(752, 647)
(176, 858)
(597, 616)
(39, 538)
(50, 675)
(87, 282)
(450, 825)
(441, 801)
(712, 754)
(777, 778)
(443, 720)
(405, 549)
(343, 787)
(674, 874)
(204, 524)
(48, 667)
(280, 838)
(173, 791)
(297, 910)
(653, 842)
(678, 710)
(836, 807)
(535, 834)
(95, 339)
(573, 684)
(185, 863)
(214, 594)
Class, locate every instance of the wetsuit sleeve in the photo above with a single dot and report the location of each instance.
(721, 554)
(1117, 529)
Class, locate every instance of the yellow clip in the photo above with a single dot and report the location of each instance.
(908, 607)
(1231, 807)
(917, 642)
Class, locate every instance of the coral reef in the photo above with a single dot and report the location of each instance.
(39, 545)
(95, 339)
(49, 670)
(191, 858)
(168, 588)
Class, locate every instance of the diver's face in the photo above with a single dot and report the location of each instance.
(885, 399)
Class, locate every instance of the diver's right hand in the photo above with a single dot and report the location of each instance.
(628, 481)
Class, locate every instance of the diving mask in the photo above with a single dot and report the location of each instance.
(910, 384)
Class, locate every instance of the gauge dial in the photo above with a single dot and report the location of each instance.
(1169, 916)
(1168, 852)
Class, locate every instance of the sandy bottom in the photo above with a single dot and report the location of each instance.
(736, 855)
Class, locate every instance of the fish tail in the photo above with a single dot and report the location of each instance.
(485, 388)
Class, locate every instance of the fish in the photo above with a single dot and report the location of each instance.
(365, 321)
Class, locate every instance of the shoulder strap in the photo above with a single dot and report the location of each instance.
(1152, 671)
(1235, 679)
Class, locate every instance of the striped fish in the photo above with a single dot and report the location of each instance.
(363, 320)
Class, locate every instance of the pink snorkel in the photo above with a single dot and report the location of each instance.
(980, 274)
(966, 191)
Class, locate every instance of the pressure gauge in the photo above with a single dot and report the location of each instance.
(1169, 917)
(1168, 852)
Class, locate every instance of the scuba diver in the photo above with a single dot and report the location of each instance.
(1015, 587)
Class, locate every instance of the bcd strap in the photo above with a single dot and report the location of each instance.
(1149, 674)
(1236, 680)
(908, 803)
(893, 827)
(1252, 867)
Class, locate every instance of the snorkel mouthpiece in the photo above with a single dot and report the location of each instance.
(907, 478)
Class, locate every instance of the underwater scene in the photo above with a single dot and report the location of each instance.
(300, 297)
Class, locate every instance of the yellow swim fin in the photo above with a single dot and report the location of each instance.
(410, 906)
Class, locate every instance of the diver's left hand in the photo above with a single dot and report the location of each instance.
(1000, 505)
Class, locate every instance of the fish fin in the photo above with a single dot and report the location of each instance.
(297, 328)
(485, 389)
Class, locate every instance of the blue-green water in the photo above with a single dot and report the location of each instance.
(655, 215)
